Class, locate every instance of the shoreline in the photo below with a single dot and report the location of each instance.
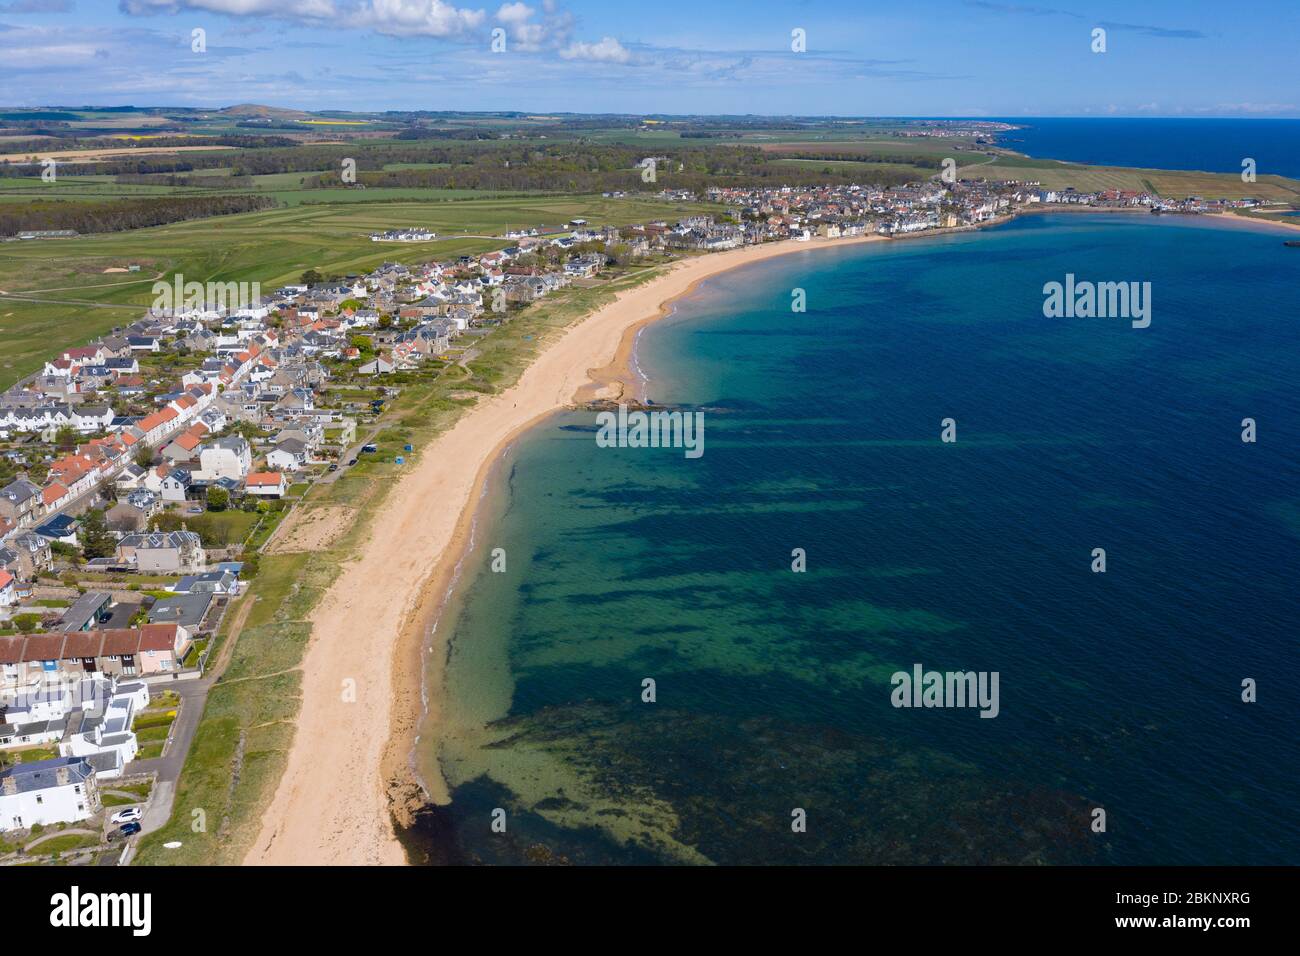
(349, 778)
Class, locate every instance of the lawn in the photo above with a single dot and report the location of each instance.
(61, 844)
(33, 754)
(221, 529)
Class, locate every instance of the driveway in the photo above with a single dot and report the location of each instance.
(167, 768)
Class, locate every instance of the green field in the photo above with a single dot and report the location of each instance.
(1172, 183)
(80, 301)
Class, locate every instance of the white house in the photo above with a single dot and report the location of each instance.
(228, 457)
(8, 593)
(91, 418)
(266, 484)
(289, 455)
(58, 790)
(175, 485)
(105, 736)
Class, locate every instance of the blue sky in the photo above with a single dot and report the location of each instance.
(863, 58)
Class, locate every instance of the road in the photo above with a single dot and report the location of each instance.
(89, 305)
(193, 695)
(329, 477)
(167, 768)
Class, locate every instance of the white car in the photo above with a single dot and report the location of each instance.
(127, 815)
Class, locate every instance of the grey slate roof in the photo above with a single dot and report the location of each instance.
(42, 774)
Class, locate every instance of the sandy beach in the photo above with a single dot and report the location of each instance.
(349, 768)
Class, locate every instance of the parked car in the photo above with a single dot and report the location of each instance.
(127, 815)
(369, 449)
(127, 829)
(333, 467)
(352, 462)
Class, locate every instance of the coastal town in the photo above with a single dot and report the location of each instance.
(144, 472)
(580, 437)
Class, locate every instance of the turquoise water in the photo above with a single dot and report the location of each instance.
(1118, 691)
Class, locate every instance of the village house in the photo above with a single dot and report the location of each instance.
(223, 580)
(266, 484)
(175, 485)
(57, 790)
(226, 457)
(20, 502)
(26, 661)
(133, 512)
(166, 552)
(26, 555)
(8, 594)
(289, 455)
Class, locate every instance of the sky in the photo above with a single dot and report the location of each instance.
(860, 58)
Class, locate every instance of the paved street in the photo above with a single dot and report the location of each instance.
(193, 694)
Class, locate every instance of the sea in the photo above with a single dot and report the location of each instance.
(661, 659)
(1208, 145)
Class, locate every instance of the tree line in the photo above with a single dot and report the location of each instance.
(121, 214)
(586, 167)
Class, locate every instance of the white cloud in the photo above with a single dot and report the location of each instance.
(430, 18)
(312, 9)
(529, 28)
(1254, 108)
(604, 50)
(55, 54)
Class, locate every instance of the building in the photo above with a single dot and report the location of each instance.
(175, 485)
(102, 734)
(58, 790)
(187, 610)
(32, 659)
(31, 555)
(223, 580)
(266, 484)
(88, 612)
(20, 502)
(132, 513)
(169, 552)
(289, 455)
(8, 594)
(228, 457)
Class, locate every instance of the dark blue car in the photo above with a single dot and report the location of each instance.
(126, 829)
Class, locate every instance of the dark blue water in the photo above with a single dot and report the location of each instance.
(1118, 691)
(1210, 145)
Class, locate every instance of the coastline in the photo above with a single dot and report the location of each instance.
(349, 773)
(350, 780)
